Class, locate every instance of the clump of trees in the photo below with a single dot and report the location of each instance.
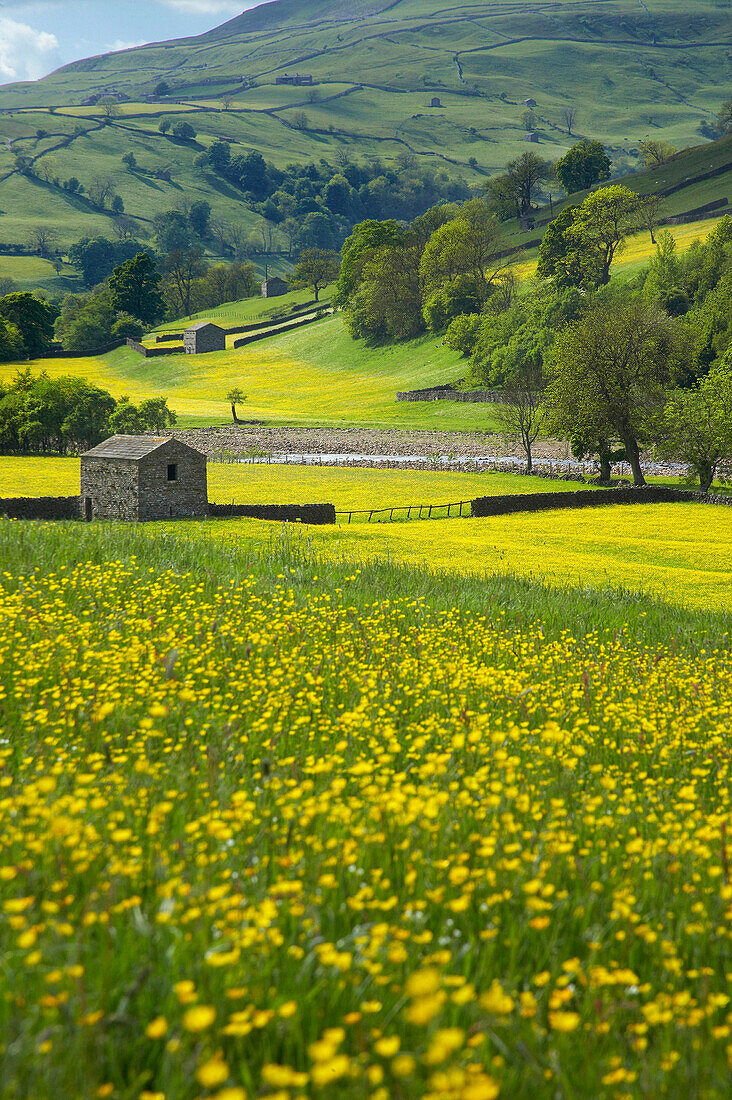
(132, 289)
(26, 326)
(120, 308)
(317, 205)
(41, 415)
(618, 369)
(396, 282)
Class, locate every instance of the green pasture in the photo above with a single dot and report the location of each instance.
(679, 553)
(33, 272)
(279, 812)
(247, 311)
(315, 376)
(256, 483)
(625, 81)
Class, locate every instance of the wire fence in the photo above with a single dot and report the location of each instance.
(410, 511)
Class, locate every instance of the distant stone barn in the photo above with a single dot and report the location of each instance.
(135, 477)
(274, 287)
(204, 337)
(435, 102)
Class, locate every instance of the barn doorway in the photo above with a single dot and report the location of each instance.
(88, 509)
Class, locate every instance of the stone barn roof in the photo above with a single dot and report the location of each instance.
(201, 325)
(132, 447)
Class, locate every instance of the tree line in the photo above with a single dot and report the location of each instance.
(613, 367)
(316, 205)
(616, 368)
(42, 415)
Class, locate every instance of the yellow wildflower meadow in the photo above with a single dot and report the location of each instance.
(678, 552)
(261, 837)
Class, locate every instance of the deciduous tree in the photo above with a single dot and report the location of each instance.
(697, 426)
(608, 373)
(135, 287)
(569, 118)
(585, 164)
(182, 267)
(467, 245)
(604, 221)
(365, 239)
(235, 397)
(519, 183)
(33, 318)
(724, 117)
(522, 413)
(316, 268)
(653, 152)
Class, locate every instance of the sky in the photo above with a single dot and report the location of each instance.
(37, 36)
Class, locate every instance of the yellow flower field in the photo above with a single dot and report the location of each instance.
(265, 837)
(680, 552)
(242, 483)
(318, 375)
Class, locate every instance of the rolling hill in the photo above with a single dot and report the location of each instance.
(630, 68)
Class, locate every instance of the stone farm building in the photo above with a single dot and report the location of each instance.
(133, 477)
(204, 337)
(299, 80)
(274, 287)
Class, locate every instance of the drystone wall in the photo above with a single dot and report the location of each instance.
(318, 514)
(151, 353)
(590, 498)
(280, 331)
(40, 507)
(449, 393)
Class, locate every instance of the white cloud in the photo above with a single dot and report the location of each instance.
(24, 51)
(120, 44)
(204, 7)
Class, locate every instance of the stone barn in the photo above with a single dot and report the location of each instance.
(137, 477)
(204, 337)
(435, 102)
(274, 287)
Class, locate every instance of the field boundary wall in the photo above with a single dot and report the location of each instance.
(291, 327)
(590, 498)
(318, 514)
(151, 353)
(40, 507)
(448, 393)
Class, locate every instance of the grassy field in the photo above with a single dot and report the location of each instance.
(261, 484)
(317, 375)
(630, 71)
(677, 552)
(247, 311)
(278, 827)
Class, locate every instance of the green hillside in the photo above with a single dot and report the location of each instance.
(630, 69)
